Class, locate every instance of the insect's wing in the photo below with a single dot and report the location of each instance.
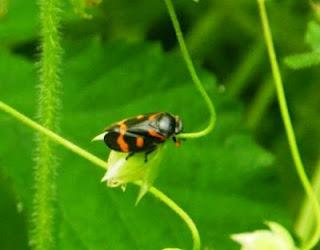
(140, 127)
(128, 142)
(134, 122)
(146, 127)
(140, 134)
(119, 142)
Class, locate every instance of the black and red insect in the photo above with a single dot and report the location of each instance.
(142, 133)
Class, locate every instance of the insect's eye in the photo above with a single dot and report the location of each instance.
(165, 125)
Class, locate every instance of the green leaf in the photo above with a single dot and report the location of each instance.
(81, 6)
(211, 177)
(307, 59)
(12, 227)
(303, 60)
(313, 35)
(20, 23)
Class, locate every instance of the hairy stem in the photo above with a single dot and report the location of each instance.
(193, 74)
(45, 168)
(310, 243)
(100, 163)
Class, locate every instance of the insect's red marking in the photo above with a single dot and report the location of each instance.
(120, 140)
(122, 122)
(139, 142)
(122, 128)
(122, 143)
(139, 117)
(153, 117)
(153, 133)
(178, 143)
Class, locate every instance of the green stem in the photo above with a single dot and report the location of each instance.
(193, 74)
(42, 237)
(100, 163)
(305, 223)
(183, 215)
(239, 79)
(260, 103)
(53, 136)
(201, 36)
(288, 125)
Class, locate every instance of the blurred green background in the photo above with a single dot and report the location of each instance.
(125, 61)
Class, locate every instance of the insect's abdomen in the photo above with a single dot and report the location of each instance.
(116, 141)
(127, 142)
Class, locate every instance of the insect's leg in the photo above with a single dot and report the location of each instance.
(176, 141)
(149, 151)
(129, 155)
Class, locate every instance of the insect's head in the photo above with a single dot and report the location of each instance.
(168, 124)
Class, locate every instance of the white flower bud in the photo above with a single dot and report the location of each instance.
(122, 170)
(277, 238)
